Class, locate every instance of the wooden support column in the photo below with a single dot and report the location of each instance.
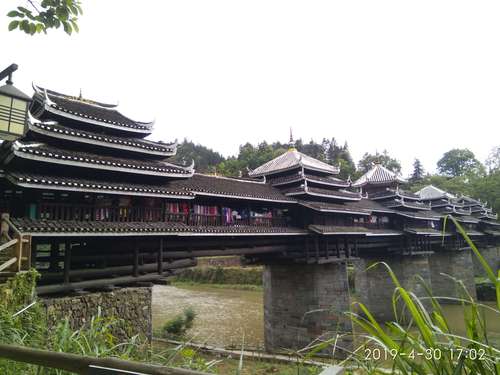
(67, 261)
(160, 257)
(347, 251)
(54, 254)
(136, 258)
(316, 245)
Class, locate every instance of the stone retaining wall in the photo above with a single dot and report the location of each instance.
(133, 305)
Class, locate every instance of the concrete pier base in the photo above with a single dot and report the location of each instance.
(457, 264)
(375, 288)
(491, 255)
(303, 303)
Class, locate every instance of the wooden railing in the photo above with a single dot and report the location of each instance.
(86, 365)
(80, 212)
(15, 252)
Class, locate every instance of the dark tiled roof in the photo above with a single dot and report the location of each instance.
(70, 227)
(485, 215)
(445, 202)
(422, 215)
(408, 204)
(332, 181)
(340, 230)
(471, 232)
(467, 219)
(327, 180)
(492, 232)
(335, 207)
(89, 111)
(74, 184)
(491, 222)
(423, 231)
(361, 207)
(373, 206)
(233, 188)
(43, 152)
(132, 144)
(389, 193)
(335, 194)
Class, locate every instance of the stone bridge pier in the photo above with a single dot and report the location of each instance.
(375, 288)
(304, 303)
(492, 256)
(456, 263)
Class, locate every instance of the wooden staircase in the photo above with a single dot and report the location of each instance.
(15, 250)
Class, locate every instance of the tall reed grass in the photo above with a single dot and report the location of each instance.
(425, 344)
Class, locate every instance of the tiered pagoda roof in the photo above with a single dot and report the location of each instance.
(293, 160)
(383, 185)
(465, 209)
(81, 145)
(379, 175)
(48, 104)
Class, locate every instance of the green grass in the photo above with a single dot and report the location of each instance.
(218, 286)
(222, 275)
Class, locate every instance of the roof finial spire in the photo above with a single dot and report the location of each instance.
(80, 96)
(291, 143)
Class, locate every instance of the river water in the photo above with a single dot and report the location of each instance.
(224, 316)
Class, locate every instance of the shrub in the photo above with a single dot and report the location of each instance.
(177, 326)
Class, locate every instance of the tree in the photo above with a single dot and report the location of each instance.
(48, 14)
(459, 162)
(366, 162)
(340, 155)
(205, 159)
(418, 171)
(493, 161)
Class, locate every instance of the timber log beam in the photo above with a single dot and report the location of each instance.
(120, 270)
(98, 283)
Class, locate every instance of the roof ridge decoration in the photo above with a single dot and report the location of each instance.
(378, 175)
(291, 143)
(79, 98)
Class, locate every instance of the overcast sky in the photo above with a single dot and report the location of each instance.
(416, 78)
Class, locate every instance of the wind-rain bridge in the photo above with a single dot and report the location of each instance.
(90, 203)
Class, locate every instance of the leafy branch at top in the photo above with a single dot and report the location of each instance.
(48, 14)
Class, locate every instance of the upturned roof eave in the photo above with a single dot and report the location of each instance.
(113, 145)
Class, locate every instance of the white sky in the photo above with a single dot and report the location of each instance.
(415, 78)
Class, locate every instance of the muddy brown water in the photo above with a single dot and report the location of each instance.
(224, 316)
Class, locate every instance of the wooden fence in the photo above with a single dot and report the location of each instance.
(84, 365)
